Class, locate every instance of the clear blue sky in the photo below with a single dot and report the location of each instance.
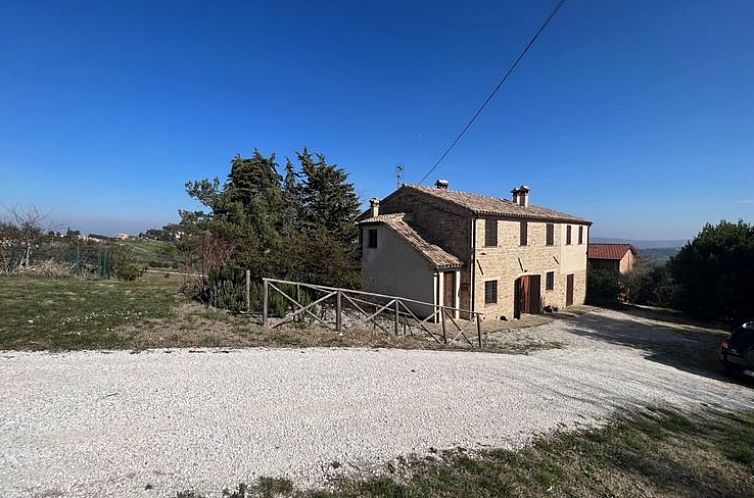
(638, 115)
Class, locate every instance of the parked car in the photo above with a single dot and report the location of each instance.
(737, 351)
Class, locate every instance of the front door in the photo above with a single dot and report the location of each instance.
(569, 289)
(449, 289)
(526, 295)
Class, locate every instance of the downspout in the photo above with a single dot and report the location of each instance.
(473, 263)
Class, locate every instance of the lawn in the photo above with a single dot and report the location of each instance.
(644, 454)
(71, 313)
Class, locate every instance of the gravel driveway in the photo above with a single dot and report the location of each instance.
(109, 424)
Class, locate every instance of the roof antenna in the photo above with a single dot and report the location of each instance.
(398, 175)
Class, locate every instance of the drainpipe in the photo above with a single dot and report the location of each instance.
(473, 265)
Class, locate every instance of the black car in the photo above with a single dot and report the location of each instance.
(737, 351)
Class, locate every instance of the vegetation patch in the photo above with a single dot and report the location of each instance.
(646, 453)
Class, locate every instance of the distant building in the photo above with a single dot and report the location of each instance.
(500, 257)
(122, 236)
(619, 258)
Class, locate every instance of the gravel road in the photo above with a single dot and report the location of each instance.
(87, 424)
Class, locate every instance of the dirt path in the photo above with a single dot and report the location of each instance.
(109, 424)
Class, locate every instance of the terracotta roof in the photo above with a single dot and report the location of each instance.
(434, 254)
(488, 205)
(608, 251)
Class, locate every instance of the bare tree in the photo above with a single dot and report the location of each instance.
(27, 226)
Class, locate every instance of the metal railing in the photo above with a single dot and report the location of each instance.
(337, 308)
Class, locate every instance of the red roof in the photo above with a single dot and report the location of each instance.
(608, 251)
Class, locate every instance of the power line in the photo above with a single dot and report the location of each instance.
(500, 83)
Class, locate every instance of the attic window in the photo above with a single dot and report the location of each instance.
(372, 242)
(581, 234)
(568, 235)
(550, 234)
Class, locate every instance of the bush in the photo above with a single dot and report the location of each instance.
(128, 272)
(603, 287)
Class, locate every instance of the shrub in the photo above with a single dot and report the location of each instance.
(128, 272)
(603, 287)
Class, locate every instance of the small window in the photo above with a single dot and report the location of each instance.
(581, 235)
(568, 235)
(490, 292)
(550, 280)
(524, 235)
(372, 238)
(490, 233)
(550, 234)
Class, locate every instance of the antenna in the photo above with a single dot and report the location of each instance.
(398, 175)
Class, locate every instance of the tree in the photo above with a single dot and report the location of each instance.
(298, 226)
(714, 273)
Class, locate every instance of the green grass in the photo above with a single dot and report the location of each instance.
(647, 454)
(70, 313)
(153, 253)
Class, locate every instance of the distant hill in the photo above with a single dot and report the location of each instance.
(642, 244)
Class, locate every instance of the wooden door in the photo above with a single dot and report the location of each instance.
(526, 297)
(449, 288)
(569, 289)
(534, 297)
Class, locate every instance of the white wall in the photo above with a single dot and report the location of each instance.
(397, 269)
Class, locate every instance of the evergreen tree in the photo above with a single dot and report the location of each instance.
(714, 273)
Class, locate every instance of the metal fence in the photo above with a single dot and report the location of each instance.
(337, 309)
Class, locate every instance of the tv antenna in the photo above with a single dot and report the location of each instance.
(398, 175)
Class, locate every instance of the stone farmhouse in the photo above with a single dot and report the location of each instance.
(500, 257)
(619, 258)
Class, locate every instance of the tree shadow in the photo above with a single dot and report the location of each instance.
(669, 340)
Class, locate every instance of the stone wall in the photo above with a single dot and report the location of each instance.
(509, 260)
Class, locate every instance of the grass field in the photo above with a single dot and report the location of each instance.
(70, 313)
(648, 454)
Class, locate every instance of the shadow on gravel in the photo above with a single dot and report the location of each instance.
(674, 342)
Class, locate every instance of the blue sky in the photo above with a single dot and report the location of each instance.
(638, 115)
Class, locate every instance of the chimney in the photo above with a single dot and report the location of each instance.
(442, 184)
(374, 204)
(523, 196)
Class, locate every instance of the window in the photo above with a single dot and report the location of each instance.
(372, 237)
(568, 235)
(490, 292)
(490, 233)
(581, 235)
(550, 280)
(524, 235)
(550, 234)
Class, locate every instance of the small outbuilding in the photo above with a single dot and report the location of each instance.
(619, 258)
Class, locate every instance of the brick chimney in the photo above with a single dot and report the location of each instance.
(374, 207)
(442, 184)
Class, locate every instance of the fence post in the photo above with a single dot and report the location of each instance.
(442, 321)
(248, 290)
(396, 315)
(479, 330)
(338, 312)
(265, 298)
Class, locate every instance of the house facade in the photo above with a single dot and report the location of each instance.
(500, 257)
(619, 258)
